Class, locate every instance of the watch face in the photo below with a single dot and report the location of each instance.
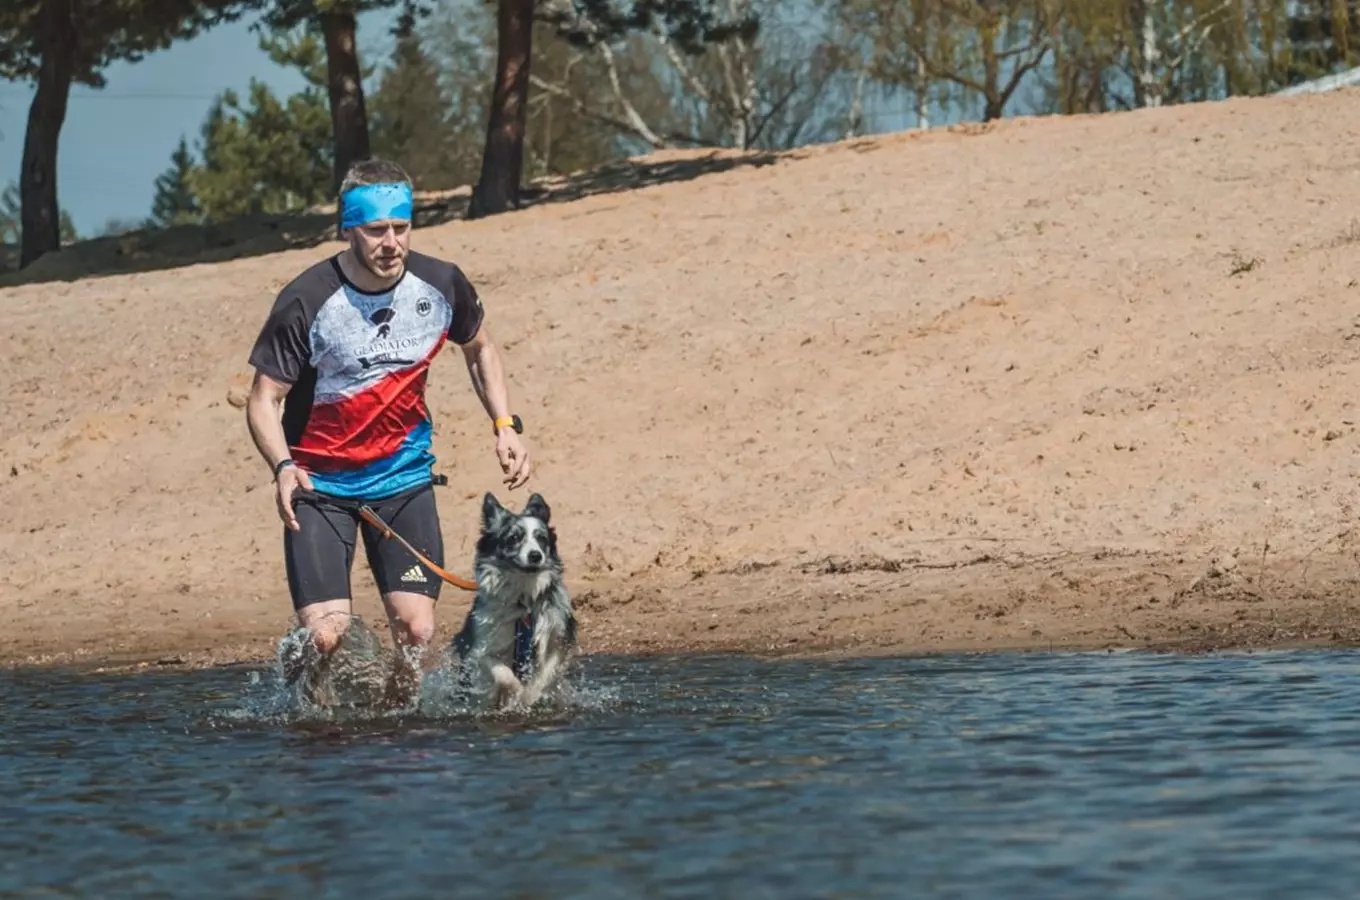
(519, 425)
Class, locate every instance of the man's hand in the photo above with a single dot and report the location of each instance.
(514, 457)
(290, 479)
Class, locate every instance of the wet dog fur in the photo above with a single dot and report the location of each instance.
(519, 574)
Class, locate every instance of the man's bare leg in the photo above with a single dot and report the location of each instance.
(411, 617)
(326, 623)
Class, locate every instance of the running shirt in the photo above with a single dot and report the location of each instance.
(356, 418)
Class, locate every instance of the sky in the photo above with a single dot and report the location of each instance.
(118, 139)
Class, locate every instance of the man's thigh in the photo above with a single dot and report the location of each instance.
(318, 559)
(403, 580)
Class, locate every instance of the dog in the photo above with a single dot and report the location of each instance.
(520, 633)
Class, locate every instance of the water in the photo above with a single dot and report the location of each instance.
(1005, 776)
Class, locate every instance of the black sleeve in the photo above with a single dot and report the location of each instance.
(467, 308)
(283, 349)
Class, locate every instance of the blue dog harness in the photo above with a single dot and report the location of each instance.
(374, 202)
(524, 645)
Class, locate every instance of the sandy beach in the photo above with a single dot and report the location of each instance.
(1076, 382)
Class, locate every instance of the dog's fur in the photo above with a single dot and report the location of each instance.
(518, 573)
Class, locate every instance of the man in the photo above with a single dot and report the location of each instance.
(349, 343)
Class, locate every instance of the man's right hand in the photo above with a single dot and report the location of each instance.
(290, 479)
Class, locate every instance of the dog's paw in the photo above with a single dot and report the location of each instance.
(508, 689)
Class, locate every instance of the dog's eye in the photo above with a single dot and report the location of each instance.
(541, 537)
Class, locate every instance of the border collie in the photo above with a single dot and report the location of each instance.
(521, 631)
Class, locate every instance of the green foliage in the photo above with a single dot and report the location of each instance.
(175, 202)
(264, 155)
(692, 25)
(412, 118)
(283, 15)
(108, 31)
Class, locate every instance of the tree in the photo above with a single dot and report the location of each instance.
(336, 20)
(263, 154)
(11, 227)
(688, 24)
(413, 116)
(782, 87)
(175, 202)
(57, 42)
(503, 157)
(562, 132)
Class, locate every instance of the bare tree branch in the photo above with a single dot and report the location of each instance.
(639, 126)
(1189, 46)
(674, 56)
(580, 107)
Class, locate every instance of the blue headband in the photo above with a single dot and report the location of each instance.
(371, 202)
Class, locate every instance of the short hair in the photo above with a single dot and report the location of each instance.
(373, 171)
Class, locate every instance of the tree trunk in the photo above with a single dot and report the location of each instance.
(349, 120)
(503, 157)
(1147, 80)
(993, 101)
(40, 212)
(922, 93)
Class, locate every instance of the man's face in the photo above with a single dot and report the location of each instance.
(382, 246)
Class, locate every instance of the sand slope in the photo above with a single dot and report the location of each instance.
(1070, 382)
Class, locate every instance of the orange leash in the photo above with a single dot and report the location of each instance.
(372, 518)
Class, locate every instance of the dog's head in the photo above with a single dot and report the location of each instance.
(524, 541)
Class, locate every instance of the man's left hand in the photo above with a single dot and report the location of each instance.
(514, 457)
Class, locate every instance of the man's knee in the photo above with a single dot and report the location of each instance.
(327, 630)
(419, 630)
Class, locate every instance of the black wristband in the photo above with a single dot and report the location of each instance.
(283, 463)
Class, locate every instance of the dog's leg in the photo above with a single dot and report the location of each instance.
(543, 676)
(508, 689)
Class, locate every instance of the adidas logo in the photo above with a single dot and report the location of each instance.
(415, 573)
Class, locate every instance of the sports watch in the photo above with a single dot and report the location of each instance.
(513, 421)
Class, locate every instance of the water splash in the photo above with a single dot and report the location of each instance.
(362, 681)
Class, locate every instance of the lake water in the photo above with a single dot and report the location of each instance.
(998, 776)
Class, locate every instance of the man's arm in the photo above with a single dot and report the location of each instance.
(487, 372)
(263, 409)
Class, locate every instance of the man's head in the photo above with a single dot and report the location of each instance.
(375, 206)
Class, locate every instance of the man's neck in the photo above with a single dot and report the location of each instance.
(360, 276)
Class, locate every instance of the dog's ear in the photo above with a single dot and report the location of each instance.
(538, 508)
(492, 511)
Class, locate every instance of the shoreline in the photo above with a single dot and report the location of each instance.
(1088, 602)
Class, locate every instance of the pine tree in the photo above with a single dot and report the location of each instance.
(337, 22)
(263, 154)
(56, 43)
(175, 202)
(411, 119)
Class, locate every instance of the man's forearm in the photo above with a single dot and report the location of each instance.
(488, 380)
(262, 418)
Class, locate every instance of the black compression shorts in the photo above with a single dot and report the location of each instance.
(319, 557)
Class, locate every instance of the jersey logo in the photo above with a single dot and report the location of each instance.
(381, 318)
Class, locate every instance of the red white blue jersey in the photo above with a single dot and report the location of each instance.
(356, 418)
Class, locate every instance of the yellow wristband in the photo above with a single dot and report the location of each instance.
(506, 422)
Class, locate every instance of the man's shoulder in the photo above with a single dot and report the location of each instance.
(312, 286)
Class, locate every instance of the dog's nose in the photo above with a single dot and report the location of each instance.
(535, 557)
